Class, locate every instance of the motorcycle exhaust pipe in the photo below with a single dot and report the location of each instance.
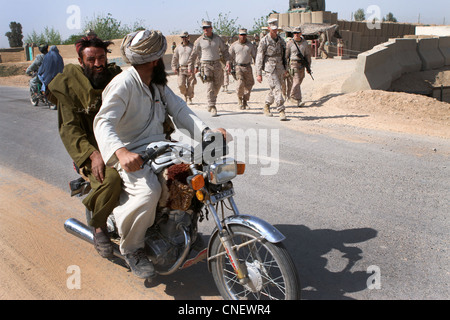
(79, 229)
(82, 231)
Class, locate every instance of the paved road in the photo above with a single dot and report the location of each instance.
(356, 214)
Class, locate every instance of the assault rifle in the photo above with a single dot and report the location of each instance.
(304, 62)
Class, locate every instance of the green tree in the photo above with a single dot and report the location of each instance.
(73, 38)
(223, 25)
(49, 36)
(15, 36)
(360, 15)
(36, 38)
(226, 26)
(260, 23)
(109, 28)
(390, 17)
(106, 28)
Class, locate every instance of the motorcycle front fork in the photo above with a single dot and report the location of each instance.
(226, 238)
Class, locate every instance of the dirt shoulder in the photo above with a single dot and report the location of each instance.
(326, 109)
(41, 261)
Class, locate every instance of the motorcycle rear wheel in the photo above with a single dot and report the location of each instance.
(272, 274)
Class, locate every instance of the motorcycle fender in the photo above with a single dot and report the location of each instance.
(267, 231)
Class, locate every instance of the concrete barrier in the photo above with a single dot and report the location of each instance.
(394, 67)
(376, 69)
(430, 54)
(372, 71)
(444, 47)
(406, 55)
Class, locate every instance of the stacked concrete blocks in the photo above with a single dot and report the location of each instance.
(430, 54)
(376, 69)
(406, 56)
(283, 20)
(372, 71)
(444, 47)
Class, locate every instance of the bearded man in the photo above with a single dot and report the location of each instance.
(134, 110)
(78, 94)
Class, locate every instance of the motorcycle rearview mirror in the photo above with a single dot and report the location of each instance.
(213, 147)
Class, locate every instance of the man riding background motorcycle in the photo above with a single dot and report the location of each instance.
(34, 67)
(52, 65)
(78, 94)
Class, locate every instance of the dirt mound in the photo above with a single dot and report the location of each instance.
(423, 81)
(401, 104)
(13, 69)
(13, 74)
(15, 81)
(394, 111)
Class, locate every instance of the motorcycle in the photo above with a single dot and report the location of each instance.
(245, 254)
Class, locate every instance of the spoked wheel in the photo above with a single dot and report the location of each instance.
(271, 272)
(34, 98)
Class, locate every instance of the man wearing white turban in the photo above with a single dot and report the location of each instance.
(134, 110)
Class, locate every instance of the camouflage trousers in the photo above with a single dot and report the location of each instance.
(287, 86)
(298, 74)
(245, 81)
(213, 77)
(186, 83)
(276, 80)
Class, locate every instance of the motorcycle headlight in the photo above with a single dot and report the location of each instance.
(222, 171)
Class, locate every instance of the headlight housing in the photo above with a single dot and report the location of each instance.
(222, 171)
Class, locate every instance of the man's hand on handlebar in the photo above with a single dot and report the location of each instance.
(228, 137)
(129, 161)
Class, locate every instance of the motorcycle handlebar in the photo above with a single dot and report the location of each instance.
(152, 154)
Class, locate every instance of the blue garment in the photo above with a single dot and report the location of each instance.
(52, 65)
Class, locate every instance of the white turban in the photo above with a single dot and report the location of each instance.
(143, 46)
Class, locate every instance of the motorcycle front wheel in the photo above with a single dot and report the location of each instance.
(271, 271)
(34, 98)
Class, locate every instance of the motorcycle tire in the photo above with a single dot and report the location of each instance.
(272, 273)
(34, 99)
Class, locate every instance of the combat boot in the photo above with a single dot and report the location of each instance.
(283, 116)
(267, 111)
(241, 104)
(213, 112)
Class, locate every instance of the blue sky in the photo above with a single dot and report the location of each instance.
(171, 16)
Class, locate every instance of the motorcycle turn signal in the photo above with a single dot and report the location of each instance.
(196, 182)
(240, 168)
